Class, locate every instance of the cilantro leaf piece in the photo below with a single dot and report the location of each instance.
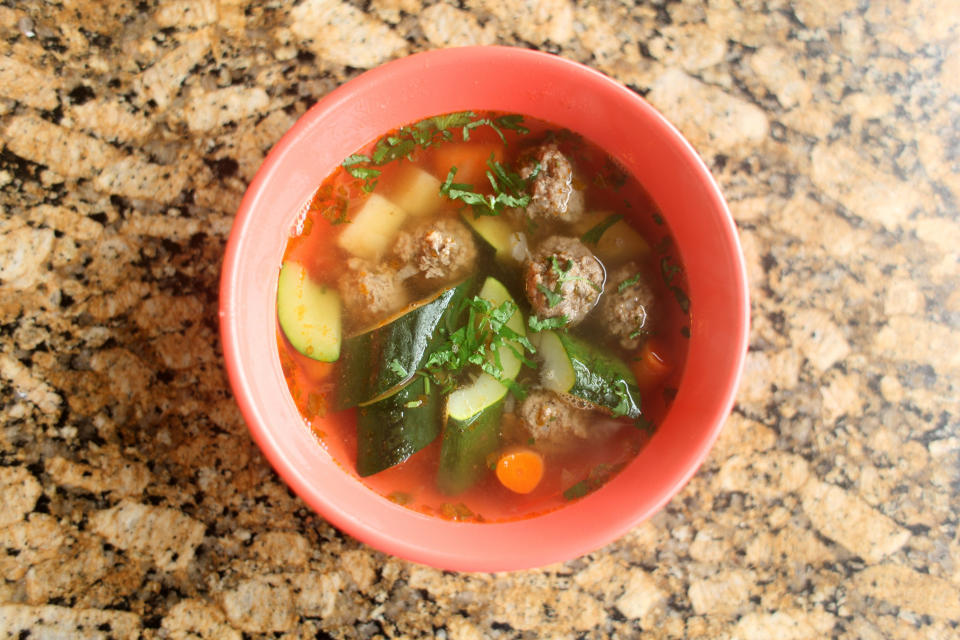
(577, 491)
(682, 298)
(356, 158)
(593, 235)
(397, 368)
(513, 122)
(536, 324)
(629, 282)
(507, 187)
(553, 299)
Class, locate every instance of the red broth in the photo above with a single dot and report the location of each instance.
(569, 473)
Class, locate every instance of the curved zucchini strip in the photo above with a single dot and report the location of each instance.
(309, 313)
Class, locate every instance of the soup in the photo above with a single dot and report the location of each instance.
(481, 316)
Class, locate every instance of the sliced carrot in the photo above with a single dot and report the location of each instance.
(520, 469)
(650, 365)
(470, 159)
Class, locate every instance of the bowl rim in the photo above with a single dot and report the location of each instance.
(378, 526)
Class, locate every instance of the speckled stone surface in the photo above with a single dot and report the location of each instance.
(134, 503)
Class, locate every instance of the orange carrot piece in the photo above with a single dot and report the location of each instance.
(520, 469)
(470, 159)
(650, 365)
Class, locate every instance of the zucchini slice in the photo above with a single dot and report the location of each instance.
(309, 313)
(494, 231)
(467, 401)
(393, 429)
(588, 373)
(472, 429)
(466, 446)
(379, 362)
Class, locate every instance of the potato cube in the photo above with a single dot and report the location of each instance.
(618, 244)
(417, 192)
(373, 229)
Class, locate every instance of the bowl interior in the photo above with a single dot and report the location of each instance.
(568, 95)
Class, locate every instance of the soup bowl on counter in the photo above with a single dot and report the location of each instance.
(698, 261)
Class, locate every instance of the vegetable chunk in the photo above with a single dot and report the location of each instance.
(309, 314)
(373, 228)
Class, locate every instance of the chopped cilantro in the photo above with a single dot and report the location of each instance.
(682, 298)
(508, 188)
(536, 324)
(514, 122)
(397, 368)
(478, 342)
(421, 135)
(629, 282)
(593, 235)
(639, 331)
(577, 491)
(668, 270)
(553, 299)
(413, 404)
(644, 424)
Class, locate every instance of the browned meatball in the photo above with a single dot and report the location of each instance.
(370, 292)
(626, 307)
(562, 278)
(437, 251)
(554, 195)
(550, 420)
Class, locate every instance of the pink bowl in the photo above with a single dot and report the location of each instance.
(569, 95)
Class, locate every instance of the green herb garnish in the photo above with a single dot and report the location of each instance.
(514, 122)
(508, 187)
(593, 235)
(577, 491)
(553, 298)
(477, 343)
(629, 282)
(421, 135)
(397, 368)
(536, 324)
(644, 424)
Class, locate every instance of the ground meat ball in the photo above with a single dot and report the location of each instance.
(551, 420)
(437, 251)
(370, 292)
(626, 314)
(563, 267)
(553, 193)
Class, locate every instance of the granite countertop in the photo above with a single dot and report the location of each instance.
(135, 502)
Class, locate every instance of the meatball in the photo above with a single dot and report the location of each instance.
(626, 307)
(554, 195)
(562, 278)
(552, 421)
(370, 291)
(436, 251)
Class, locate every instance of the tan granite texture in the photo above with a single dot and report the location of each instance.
(134, 503)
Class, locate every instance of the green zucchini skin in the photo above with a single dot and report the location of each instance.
(601, 378)
(466, 446)
(376, 364)
(389, 431)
